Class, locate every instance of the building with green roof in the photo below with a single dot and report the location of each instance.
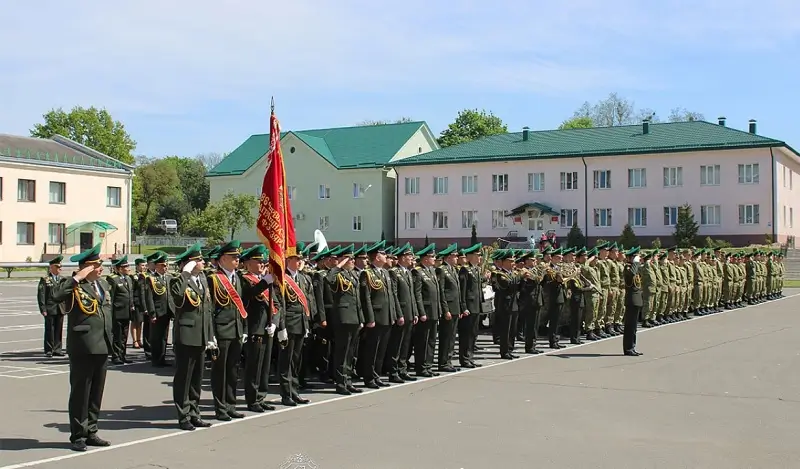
(339, 179)
(523, 184)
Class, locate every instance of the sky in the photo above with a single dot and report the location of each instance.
(195, 76)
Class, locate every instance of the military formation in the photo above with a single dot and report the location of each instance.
(373, 315)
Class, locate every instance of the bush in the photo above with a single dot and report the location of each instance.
(600, 241)
(717, 243)
(656, 244)
(628, 238)
(575, 238)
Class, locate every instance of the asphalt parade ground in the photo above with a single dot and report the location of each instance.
(722, 391)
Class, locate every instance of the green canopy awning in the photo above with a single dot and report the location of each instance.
(92, 225)
(540, 207)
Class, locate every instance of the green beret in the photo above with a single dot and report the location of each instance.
(231, 248)
(349, 250)
(451, 249)
(404, 249)
(632, 251)
(362, 251)
(56, 260)
(140, 260)
(429, 250)
(89, 256)
(192, 253)
(258, 252)
(121, 262)
(376, 248)
(474, 249)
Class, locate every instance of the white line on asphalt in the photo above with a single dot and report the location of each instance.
(18, 341)
(369, 393)
(21, 327)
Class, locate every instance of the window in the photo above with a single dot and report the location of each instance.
(58, 192)
(709, 175)
(498, 219)
(748, 214)
(791, 219)
(26, 190)
(1, 188)
(291, 192)
(439, 185)
(499, 182)
(412, 186)
(602, 217)
(535, 182)
(569, 216)
(569, 181)
(710, 215)
(358, 190)
(469, 218)
(56, 233)
(637, 217)
(748, 173)
(25, 231)
(670, 216)
(412, 220)
(637, 177)
(324, 191)
(602, 179)
(469, 184)
(324, 223)
(113, 196)
(439, 220)
(356, 222)
(673, 177)
(1, 231)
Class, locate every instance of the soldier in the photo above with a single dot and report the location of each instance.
(580, 300)
(324, 345)
(633, 302)
(400, 337)
(505, 284)
(530, 303)
(121, 288)
(554, 285)
(649, 289)
(88, 309)
(603, 328)
(688, 267)
(193, 335)
(51, 310)
(589, 272)
(619, 297)
(346, 318)
(159, 308)
(427, 293)
(138, 303)
(471, 288)
(453, 307)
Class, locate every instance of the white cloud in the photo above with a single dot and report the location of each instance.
(164, 57)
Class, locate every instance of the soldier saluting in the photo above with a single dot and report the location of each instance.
(51, 310)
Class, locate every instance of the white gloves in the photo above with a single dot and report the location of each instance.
(636, 259)
(189, 267)
(283, 336)
(244, 338)
(269, 278)
(271, 330)
(212, 344)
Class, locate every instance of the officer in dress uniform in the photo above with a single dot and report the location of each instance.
(51, 310)
(471, 289)
(88, 309)
(400, 337)
(138, 303)
(325, 260)
(453, 308)
(193, 335)
(121, 288)
(159, 308)
(427, 292)
(633, 302)
(505, 284)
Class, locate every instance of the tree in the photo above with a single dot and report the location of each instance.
(580, 122)
(401, 120)
(628, 238)
(92, 127)
(192, 181)
(383, 235)
(209, 223)
(211, 159)
(575, 237)
(237, 211)
(680, 114)
(427, 243)
(471, 124)
(656, 244)
(616, 110)
(156, 182)
(473, 239)
(686, 227)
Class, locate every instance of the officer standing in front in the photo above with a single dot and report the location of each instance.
(346, 318)
(51, 310)
(298, 311)
(633, 302)
(88, 308)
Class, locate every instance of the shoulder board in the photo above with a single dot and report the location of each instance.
(417, 267)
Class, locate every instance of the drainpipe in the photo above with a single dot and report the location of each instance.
(585, 199)
(129, 214)
(774, 199)
(396, 207)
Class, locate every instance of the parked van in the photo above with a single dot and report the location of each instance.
(169, 226)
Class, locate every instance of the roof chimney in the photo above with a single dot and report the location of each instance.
(722, 121)
(525, 134)
(645, 127)
(752, 126)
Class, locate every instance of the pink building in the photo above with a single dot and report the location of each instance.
(739, 185)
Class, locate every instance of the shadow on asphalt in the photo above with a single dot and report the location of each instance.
(24, 444)
(587, 355)
(128, 417)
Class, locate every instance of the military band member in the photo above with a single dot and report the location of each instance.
(633, 302)
(346, 318)
(299, 307)
(139, 304)
(590, 274)
(453, 307)
(51, 310)
(159, 308)
(580, 300)
(505, 284)
(88, 309)
(400, 336)
(193, 335)
(556, 294)
(121, 288)
(427, 292)
(471, 288)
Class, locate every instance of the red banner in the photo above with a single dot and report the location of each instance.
(275, 226)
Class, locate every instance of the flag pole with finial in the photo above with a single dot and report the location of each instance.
(272, 105)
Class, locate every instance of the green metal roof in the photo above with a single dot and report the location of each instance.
(344, 147)
(54, 151)
(598, 141)
(94, 225)
(539, 206)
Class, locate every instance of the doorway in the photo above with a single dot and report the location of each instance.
(86, 240)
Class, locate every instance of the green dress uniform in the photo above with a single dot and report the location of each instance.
(321, 353)
(346, 319)
(471, 287)
(88, 308)
(51, 310)
(447, 275)
(505, 284)
(427, 293)
(530, 305)
(192, 335)
(400, 340)
(648, 271)
(121, 288)
(592, 274)
(299, 308)
(160, 309)
(633, 305)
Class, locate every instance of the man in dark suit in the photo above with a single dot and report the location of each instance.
(121, 288)
(453, 308)
(427, 292)
(633, 303)
(193, 334)
(471, 288)
(51, 310)
(400, 337)
(88, 308)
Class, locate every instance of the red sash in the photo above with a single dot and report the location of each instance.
(299, 293)
(232, 293)
(254, 281)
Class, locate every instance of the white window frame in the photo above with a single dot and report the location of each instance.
(440, 185)
(56, 233)
(499, 219)
(791, 217)
(291, 192)
(601, 178)
(59, 193)
(441, 220)
(324, 223)
(412, 186)
(469, 184)
(26, 190)
(710, 215)
(568, 217)
(357, 223)
(603, 218)
(469, 218)
(499, 182)
(29, 235)
(535, 182)
(671, 215)
(710, 175)
(359, 190)
(324, 192)
(113, 192)
(751, 218)
(637, 178)
(412, 218)
(569, 180)
(673, 176)
(637, 217)
(748, 173)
